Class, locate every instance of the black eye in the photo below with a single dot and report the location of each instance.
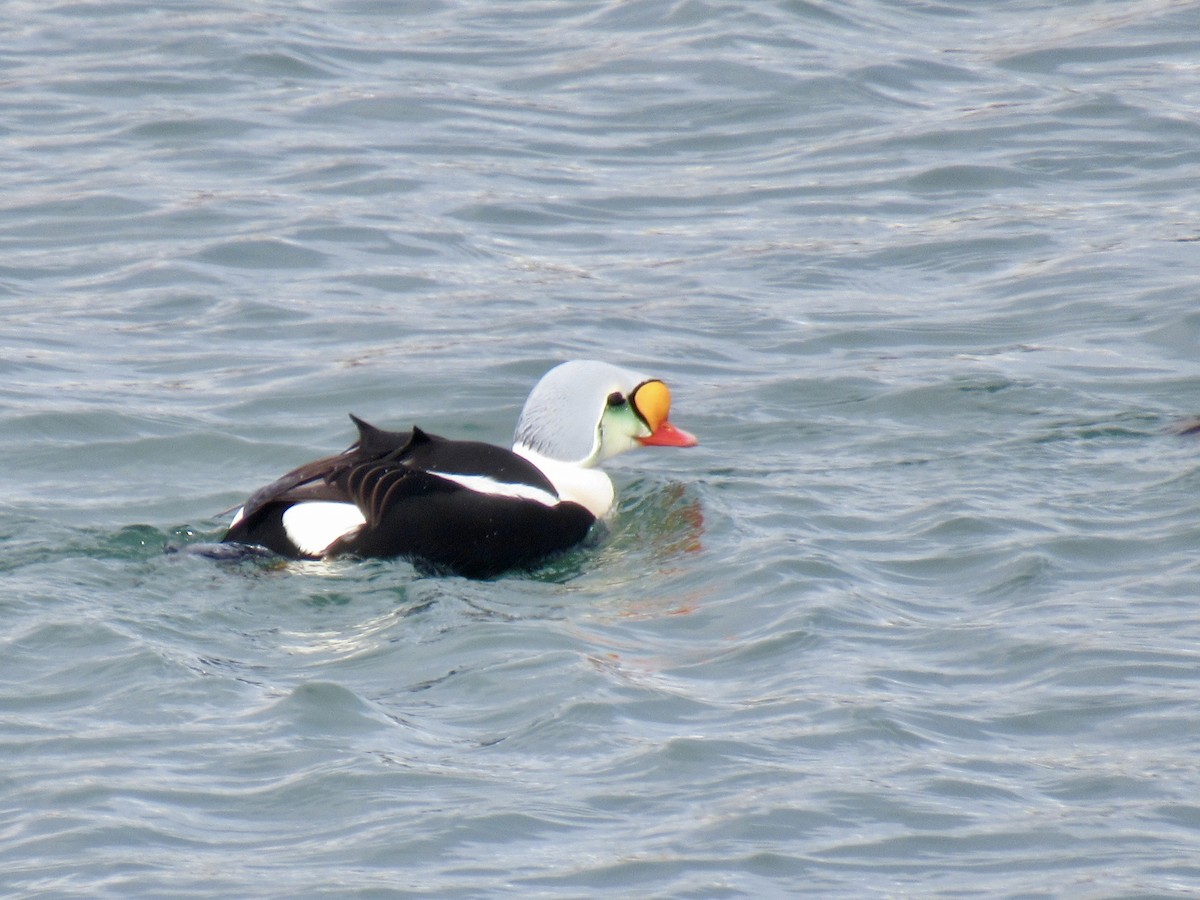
(616, 398)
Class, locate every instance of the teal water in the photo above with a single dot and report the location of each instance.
(918, 617)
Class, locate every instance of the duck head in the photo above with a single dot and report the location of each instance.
(584, 412)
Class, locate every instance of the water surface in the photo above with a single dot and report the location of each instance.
(916, 619)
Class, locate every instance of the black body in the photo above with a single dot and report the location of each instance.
(412, 513)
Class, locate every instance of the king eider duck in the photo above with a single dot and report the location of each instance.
(466, 507)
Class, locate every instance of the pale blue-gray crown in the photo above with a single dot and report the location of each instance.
(561, 418)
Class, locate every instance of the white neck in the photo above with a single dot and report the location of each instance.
(590, 488)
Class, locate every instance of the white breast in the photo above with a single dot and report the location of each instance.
(590, 488)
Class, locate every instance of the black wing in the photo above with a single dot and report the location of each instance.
(414, 514)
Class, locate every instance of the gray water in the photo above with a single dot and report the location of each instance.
(919, 616)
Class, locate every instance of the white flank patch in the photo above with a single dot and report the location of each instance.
(237, 516)
(314, 525)
(482, 484)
